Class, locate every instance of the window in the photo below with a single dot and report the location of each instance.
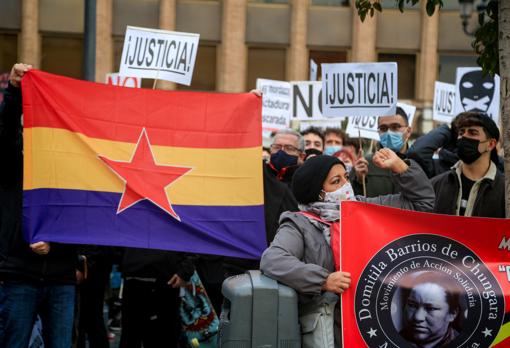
(448, 65)
(8, 57)
(406, 73)
(8, 51)
(330, 2)
(265, 63)
(204, 72)
(62, 54)
(271, 1)
(320, 57)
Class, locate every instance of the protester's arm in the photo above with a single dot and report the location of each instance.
(282, 262)
(416, 191)
(358, 172)
(425, 146)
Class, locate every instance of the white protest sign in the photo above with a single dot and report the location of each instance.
(337, 123)
(159, 54)
(307, 100)
(115, 79)
(359, 89)
(313, 70)
(275, 104)
(366, 126)
(443, 109)
(476, 92)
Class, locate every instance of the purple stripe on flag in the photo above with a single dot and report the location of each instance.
(89, 217)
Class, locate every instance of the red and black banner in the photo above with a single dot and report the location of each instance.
(424, 280)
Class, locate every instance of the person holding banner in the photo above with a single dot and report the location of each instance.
(394, 132)
(301, 255)
(38, 278)
(474, 186)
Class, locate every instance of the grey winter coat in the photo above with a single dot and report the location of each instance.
(300, 257)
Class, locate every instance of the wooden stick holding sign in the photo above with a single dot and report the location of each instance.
(363, 182)
(155, 80)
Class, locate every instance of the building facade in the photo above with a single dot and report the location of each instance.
(242, 40)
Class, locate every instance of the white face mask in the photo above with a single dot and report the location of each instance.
(344, 193)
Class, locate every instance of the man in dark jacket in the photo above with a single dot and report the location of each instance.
(394, 132)
(474, 187)
(150, 302)
(35, 279)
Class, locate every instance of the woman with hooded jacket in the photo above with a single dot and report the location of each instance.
(301, 256)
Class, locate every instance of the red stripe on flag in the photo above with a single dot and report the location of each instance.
(182, 119)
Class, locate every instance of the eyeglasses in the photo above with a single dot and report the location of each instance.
(394, 127)
(287, 148)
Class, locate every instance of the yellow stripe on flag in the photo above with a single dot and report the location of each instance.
(60, 159)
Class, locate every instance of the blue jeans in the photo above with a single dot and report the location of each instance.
(19, 305)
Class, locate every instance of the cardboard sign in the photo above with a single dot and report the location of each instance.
(366, 126)
(159, 54)
(359, 89)
(275, 104)
(115, 79)
(476, 92)
(397, 258)
(313, 70)
(307, 100)
(444, 102)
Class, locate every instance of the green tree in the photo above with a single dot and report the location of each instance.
(491, 43)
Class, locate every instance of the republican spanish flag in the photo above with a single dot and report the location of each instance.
(110, 165)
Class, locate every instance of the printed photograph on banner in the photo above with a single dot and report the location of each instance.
(313, 70)
(307, 100)
(115, 79)
(359, 89)
(159, 54)
(443, 109)
(276, 99)
(477, 92)
(423, 280)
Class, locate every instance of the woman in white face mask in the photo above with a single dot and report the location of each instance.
(301, 256)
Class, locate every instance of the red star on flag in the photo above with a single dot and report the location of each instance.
(144, 178)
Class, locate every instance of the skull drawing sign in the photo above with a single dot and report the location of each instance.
(477, 92)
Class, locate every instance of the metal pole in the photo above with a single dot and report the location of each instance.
(89, 41)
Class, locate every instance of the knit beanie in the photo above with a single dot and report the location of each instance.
(309, 178)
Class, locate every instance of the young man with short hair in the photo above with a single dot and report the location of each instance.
(474, 186)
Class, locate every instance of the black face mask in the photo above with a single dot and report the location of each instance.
(281, 159)
(467, 150)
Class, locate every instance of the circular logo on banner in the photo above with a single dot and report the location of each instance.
(428, 291)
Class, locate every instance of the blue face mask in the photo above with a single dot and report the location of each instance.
(392, 140)
(281, 159)
(330, 150)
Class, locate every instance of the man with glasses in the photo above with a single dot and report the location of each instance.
(394, 132)
(287, 153)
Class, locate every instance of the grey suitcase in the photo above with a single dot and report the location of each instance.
(258, 312)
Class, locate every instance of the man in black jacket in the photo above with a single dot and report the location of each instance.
(474, 187)
(35, 279)
(150, 302)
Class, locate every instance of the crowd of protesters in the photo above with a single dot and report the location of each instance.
(454, 169)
